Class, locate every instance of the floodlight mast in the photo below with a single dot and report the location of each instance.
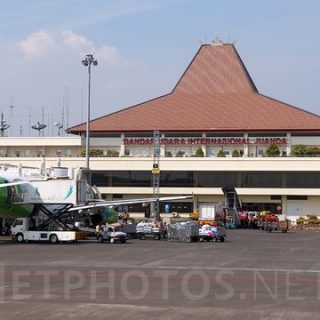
(3, 125)
(87, 62)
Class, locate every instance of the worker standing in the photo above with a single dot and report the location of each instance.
(125, 217)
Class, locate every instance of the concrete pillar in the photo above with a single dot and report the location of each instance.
(122, 146)
(162, 146)
(288, 143)
(195, 202)
(204, 146)
(246, 146)
(284, 204)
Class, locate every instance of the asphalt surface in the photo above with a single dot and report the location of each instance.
(253, 275)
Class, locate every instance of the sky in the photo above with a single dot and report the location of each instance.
(142, 48)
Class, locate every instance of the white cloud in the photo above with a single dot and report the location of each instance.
(47, 45)
(75, 41)
(109, 54)
(39, 68)
(37, 44)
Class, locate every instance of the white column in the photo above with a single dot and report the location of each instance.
(204, 146)
(284, 205)
(162, 146)
(195, 203)
(288, 143)
(122, 146)
(246, 146)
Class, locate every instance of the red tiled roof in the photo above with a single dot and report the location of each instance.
(215, 69)
(215, 93)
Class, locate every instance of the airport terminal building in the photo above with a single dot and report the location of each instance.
(215, 130)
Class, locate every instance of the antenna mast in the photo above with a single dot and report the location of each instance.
(3, 125)
(39, 127)
(42, 117)
(11, 114)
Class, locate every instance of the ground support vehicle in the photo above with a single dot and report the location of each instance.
(253, 219)
(248, 219)
(25, 229)
(183, 231)
(129, 228)
(212, 233)
(109, 234)
(279, 224)
(270, 222)
(149, 229)
(206, 233)
(263, 218)
(220, 233)
(244, 219)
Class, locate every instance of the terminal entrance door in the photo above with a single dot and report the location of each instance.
(294, 208)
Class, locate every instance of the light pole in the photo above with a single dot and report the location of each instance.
(88, 62)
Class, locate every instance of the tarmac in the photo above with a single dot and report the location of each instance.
(253, 275)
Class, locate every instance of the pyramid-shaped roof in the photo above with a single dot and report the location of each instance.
(215, 93)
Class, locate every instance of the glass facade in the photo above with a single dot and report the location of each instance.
(165, 207)
(209, 179)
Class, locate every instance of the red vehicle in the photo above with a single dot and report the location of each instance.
(253, 219)
(244, 219)
(269, 221)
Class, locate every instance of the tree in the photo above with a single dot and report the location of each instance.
(112, 153)
(235, 153)
(92, 153)
(221, 154)
(273, 150)
(299, 150)
(180, 153)
(168, 154)
(199, 152)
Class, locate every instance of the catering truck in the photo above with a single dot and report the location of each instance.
(27, 229)
(211, 213)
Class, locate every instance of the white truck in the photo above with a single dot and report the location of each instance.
(209, 213)
(24, 229)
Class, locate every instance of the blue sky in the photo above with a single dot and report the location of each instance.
(143, 46)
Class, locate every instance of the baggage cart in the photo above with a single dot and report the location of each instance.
(183, 231)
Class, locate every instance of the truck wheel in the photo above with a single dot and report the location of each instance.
(142, 236)
(100, 239)
(54, 238)
(20, 237)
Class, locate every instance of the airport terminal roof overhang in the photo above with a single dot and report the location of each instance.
(215, 93)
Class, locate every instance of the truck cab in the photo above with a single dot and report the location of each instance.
(20, 225)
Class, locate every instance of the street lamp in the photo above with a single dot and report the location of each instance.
(88, 62)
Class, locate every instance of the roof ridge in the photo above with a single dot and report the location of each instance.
(288, 105)
(119, 111)
(245, 69)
